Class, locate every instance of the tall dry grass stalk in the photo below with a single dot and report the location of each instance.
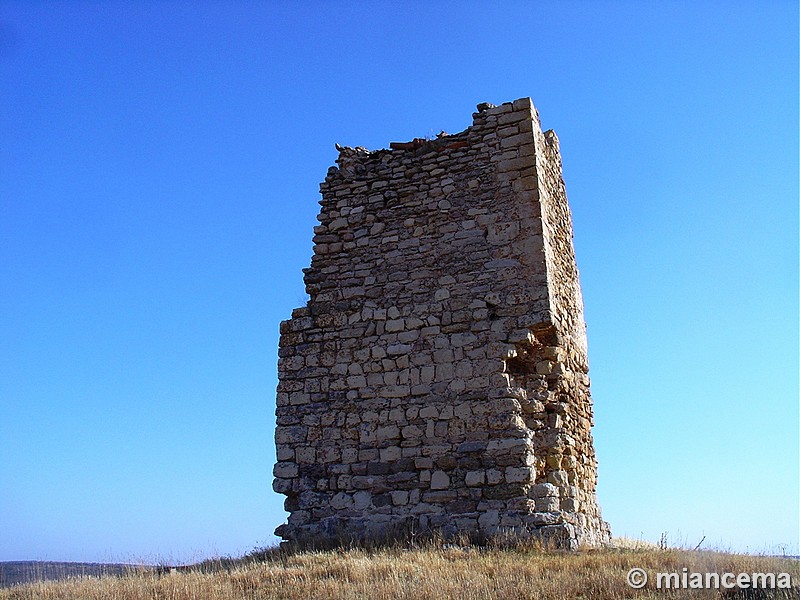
(416, 574)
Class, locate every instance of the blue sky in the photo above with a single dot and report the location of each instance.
(159, 172)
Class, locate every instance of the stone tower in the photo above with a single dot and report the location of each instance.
(437, 378)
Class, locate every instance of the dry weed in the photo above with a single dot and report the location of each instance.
(418, 574)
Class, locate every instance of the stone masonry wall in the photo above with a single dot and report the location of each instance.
(437, 378)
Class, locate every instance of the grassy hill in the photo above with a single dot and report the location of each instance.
(16, 572)
(424, 573)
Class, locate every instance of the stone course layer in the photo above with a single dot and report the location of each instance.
(436, 381)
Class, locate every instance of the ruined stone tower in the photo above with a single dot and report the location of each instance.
(437, 378)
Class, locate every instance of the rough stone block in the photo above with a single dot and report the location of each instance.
(439, 480)
(475, 478)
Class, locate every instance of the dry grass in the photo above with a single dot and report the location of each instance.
(416, 574)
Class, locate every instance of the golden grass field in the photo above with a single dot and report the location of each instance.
(421, 573)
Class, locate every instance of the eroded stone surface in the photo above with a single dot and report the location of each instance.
(437, 378)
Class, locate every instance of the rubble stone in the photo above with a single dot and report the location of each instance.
(437, 379)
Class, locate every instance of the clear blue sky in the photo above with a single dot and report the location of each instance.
(159, 172)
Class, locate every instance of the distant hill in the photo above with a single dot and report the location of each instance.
(14, 572)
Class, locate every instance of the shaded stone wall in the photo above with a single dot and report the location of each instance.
(437, 378)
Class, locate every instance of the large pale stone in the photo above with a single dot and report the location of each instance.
(475, 478)
(439, 480)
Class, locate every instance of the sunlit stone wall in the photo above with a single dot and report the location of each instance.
(437, 378)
